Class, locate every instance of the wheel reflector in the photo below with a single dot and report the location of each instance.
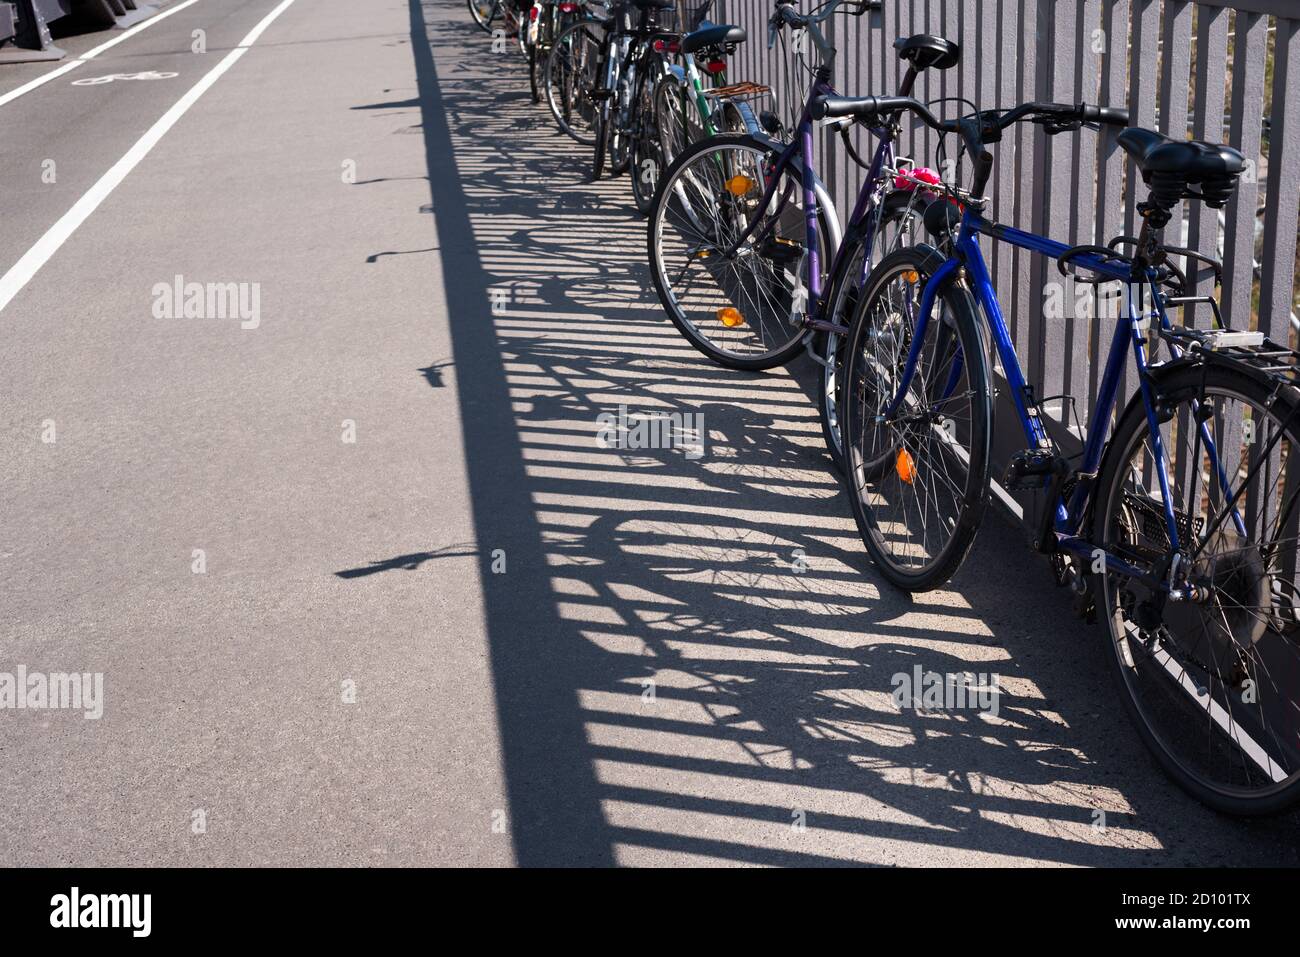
(906, 466)
(740, 184)
(730, 317)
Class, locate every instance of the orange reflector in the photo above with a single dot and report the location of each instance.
(740, 184)
(912, 276)
(730, 316)
(906, 466)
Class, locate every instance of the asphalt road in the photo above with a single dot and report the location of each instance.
(362, 585)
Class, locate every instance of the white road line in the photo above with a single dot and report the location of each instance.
(22, 271)
(91, 54)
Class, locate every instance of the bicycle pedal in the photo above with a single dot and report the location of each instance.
(781, 250)
(1030, 468)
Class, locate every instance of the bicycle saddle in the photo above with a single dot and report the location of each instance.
(1168, 165)
(926, 50)
(654, 4)
(1195, 159)
(709, 35)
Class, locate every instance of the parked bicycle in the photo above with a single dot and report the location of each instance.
(1181, 527)
(547, 19)
(508, 16)
(743, 240)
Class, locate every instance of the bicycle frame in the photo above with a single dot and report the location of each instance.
(1129, 332)
(862, 221)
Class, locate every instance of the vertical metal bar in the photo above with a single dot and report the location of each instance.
(1249, 42)
(1207, 124)
(1051, 335)
(1004, 173)
(1113, 50)
(1081, 163)
(1277, 276)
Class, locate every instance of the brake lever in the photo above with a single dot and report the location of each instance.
(1052, 126)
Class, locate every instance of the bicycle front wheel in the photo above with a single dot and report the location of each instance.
(484, 12)
(917, 465)
(738, 294)
(647, 160)
(1211, 677)
(898, 224)
(572, 77)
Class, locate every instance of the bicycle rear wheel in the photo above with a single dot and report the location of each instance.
(918, 477)
(744, 308)
(1212, 681)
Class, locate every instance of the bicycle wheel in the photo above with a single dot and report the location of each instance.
(744, 308)
(622, 122)
(518, 21)
(533, 56)
(646, 160)
(601, 134)
(669, 106)
(484, 12)
(899, 223)
(917, 479)
(1211, 681)
(572, 77)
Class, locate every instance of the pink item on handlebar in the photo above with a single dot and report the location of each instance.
(906, 178)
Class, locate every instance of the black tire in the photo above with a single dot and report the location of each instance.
(886, 462)
(620, 146)
(532, 73)
(899, 210)
(786, 337)
(602, 140)
(1153, 667)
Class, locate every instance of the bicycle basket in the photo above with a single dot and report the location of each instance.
(691, 13)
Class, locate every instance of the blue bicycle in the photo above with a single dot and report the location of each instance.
(1181, 527)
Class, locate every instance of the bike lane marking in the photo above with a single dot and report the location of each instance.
(12, 282)
(92, 53)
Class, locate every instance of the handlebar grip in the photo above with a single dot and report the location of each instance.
(1109, 115)
(824, 106)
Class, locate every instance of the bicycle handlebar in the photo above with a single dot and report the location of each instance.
(786, 14)
(975, 129)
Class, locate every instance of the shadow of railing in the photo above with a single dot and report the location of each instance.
(671, 681)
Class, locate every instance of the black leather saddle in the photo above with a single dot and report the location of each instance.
(925, 50)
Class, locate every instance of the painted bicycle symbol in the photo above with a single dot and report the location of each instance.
(146, 75)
